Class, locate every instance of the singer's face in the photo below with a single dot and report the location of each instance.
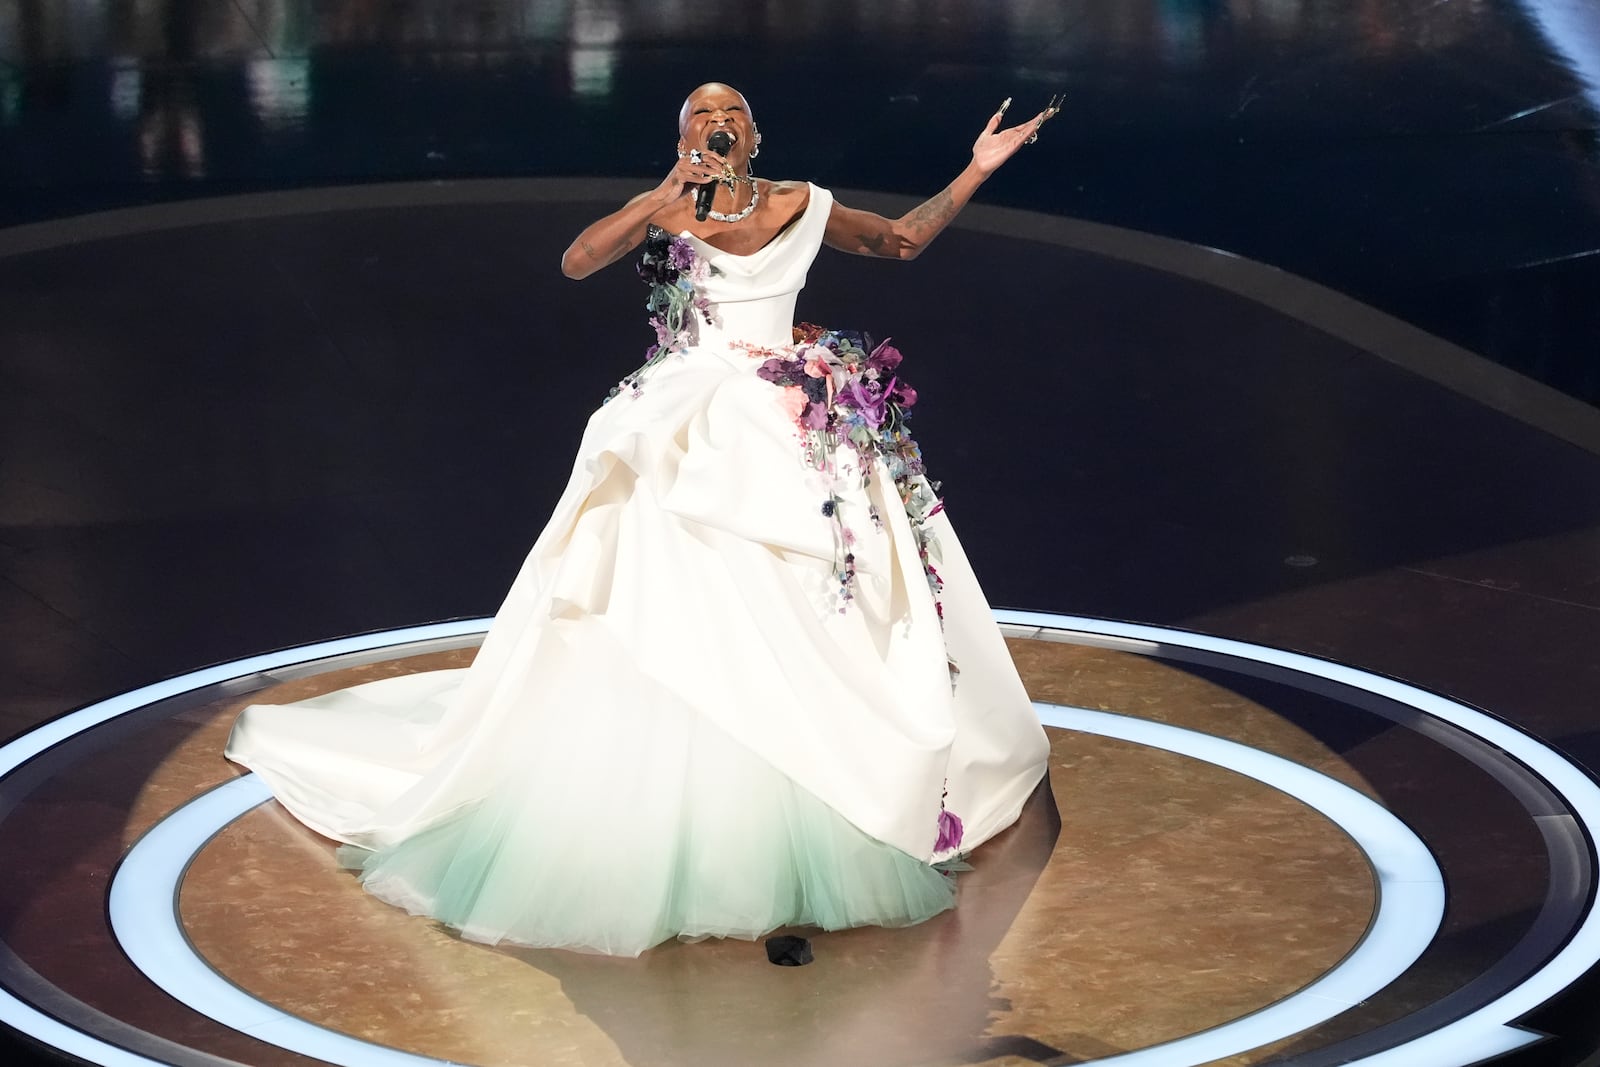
(714, 107)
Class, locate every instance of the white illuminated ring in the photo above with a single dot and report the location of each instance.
(144, 912)
(1403, 882)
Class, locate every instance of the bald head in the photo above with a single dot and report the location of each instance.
(711, 95)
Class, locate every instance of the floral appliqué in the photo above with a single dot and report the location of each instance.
(674, 273)
(842, 388)
(950, 828)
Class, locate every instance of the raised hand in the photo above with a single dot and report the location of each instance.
(994, 146)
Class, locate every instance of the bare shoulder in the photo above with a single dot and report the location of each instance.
(788, 191)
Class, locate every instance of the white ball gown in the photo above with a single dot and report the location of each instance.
(676, 726)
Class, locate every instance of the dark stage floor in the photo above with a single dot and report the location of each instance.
(1239, 348)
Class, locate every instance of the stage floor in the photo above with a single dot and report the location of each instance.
(1204, 877)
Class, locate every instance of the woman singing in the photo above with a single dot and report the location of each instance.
(745, 678)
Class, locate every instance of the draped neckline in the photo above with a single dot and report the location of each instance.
(784, 231)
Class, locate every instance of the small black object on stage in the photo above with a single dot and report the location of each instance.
(789, 951)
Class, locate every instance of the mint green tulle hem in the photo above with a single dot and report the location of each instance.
(814, 870)
(698, 838)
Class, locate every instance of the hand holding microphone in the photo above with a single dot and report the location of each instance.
(719, 142)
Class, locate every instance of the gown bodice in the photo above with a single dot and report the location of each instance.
(753, 296)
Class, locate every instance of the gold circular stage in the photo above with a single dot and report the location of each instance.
(1202, 878)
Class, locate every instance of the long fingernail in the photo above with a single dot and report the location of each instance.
(1003, 105)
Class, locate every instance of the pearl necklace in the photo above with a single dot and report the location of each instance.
(739, 216)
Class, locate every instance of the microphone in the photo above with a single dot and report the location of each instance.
(719, 142)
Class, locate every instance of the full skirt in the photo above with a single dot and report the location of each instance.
(675, 726)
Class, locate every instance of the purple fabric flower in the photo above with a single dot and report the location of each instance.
(681, 254)
(950, 831)
(885, 357)
(869, 400)
(780, 371)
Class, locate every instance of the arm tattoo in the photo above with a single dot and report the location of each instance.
(934, 214)
(876, 243)
(588, 249)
